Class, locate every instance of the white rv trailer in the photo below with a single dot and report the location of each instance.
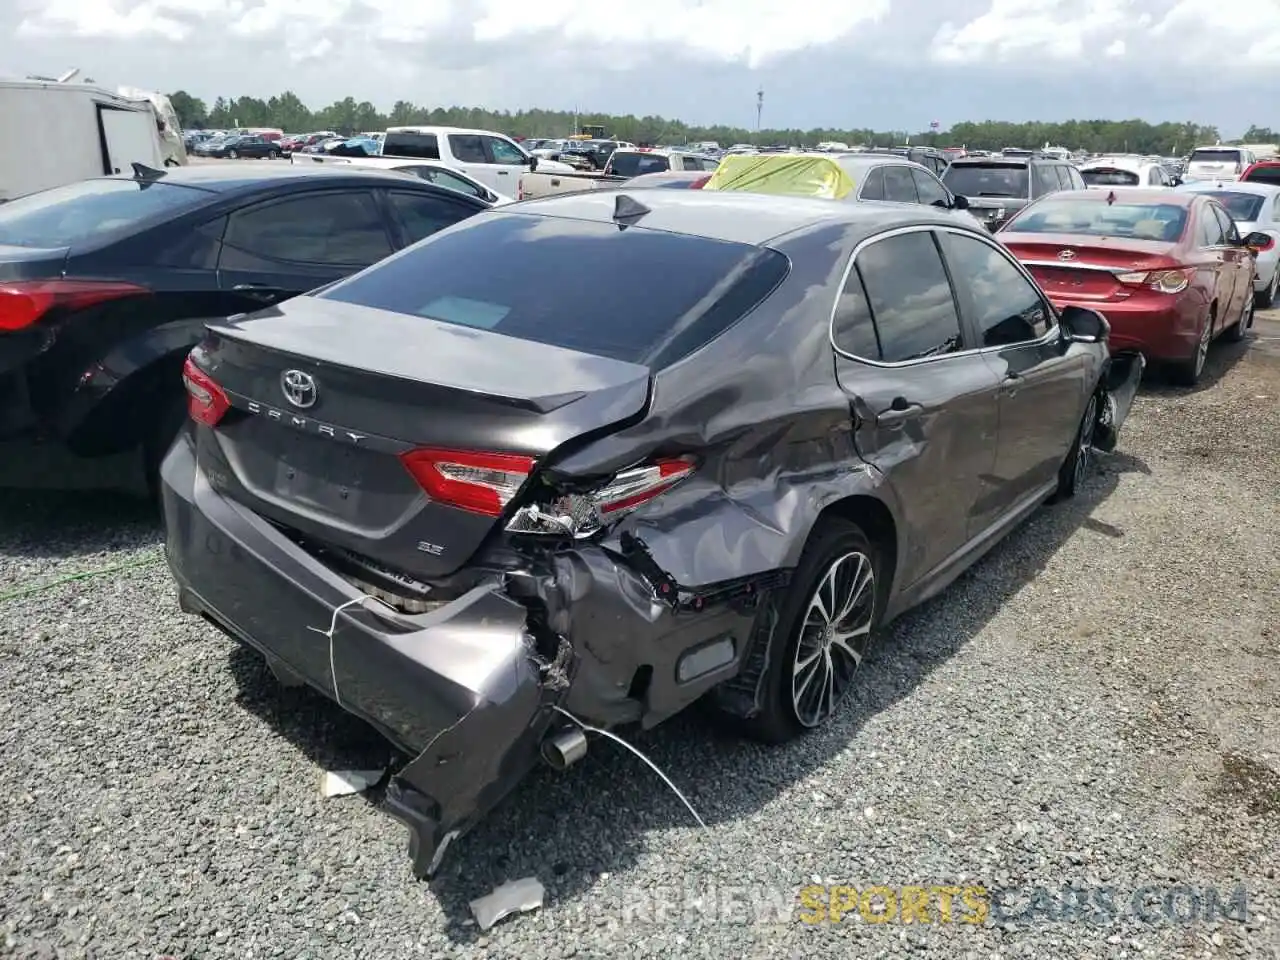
(53, 133)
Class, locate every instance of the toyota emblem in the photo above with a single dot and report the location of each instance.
(299, 388)
(1066, 254)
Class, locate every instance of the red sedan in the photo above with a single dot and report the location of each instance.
(1169, 271)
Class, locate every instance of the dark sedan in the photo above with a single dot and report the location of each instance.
(479, 520)
(106, 284)
(246, 147)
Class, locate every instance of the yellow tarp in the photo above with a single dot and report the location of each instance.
(782, 174)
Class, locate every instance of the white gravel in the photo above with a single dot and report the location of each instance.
(1097, 703)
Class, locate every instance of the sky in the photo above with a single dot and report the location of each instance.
(883, 64)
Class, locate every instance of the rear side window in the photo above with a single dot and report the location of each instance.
(909, 297)
(92, 210)
(423, 146)
(533, 287)
(631, 164)
(467, 148)
(336, 228)
(898, 185)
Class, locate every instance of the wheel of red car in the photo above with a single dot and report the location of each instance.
(1235, 333)
(1188, 372)
(825, 622)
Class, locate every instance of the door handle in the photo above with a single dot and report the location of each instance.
(898, 413)
(259, 291)
(1012, 381)
(503, 173)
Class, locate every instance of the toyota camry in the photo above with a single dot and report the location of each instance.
(582, 461)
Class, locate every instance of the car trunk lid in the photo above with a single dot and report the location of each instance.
(1083, 269)
(327, 399)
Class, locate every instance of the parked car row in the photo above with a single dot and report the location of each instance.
(822, 389)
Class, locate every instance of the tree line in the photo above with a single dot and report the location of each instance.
(288, 112)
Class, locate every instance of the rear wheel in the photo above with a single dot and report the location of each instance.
(273, 155)
(1188, 371)
(825, 621)
(1074, 470)
(1235, 333)
(1265, 299)
(233, 155)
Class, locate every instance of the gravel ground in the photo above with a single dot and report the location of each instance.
(1095, 703)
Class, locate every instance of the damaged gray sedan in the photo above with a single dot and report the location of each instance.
(598, 456)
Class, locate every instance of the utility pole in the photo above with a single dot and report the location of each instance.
(759, 109)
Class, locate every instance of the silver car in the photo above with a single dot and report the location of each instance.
(1254, 207)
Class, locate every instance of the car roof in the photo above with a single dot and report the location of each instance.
(1230, 186)
(733, 216)
(240, 175)
(1126, 195)
(865, 161)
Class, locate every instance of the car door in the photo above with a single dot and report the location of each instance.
(1211, 241)
(1240, 260)
(899, 187)
(280, 248)
(1043, 378)
(418, 215)
(930, 190)
(923, 403)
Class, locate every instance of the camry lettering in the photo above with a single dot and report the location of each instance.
(302, 423)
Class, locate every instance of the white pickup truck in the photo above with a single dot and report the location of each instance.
(622, 166)
(491, 158)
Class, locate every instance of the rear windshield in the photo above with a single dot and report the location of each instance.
(582, 285)
(1215, 156)
(1264, 175)
(629, 164)
(424, 146)
(1110, 177)
(1243, 207)
(91, 210)
(1094, 218)
(986, 180)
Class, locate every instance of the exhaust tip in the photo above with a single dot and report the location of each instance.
(565, 748)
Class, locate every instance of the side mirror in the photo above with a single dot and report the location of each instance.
(1258, 241)
(1082, 325)
(959, 202)
(533, 163)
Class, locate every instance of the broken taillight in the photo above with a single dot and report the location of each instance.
(24, 302)
(207, 403)
(583, 514)
(480, 482)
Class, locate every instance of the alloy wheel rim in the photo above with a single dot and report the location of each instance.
(833, 637)
(1084, 451)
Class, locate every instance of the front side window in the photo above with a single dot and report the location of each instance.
(930, 189)
(909, 297)
(1007, 309)
(898, 185)
(505, 153)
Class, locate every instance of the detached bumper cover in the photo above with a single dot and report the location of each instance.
(460, 689)
(1120, 382)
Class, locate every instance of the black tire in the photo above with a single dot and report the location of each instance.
(273, 154)
(1188, 372)
(778, 719)
(233, 155)
(1236, 332)
(1075, 468)
(170, 420)
(1266, 299)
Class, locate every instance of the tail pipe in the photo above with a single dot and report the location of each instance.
(563, 749)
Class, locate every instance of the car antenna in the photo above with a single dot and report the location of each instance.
(142, 172)
(626, 210)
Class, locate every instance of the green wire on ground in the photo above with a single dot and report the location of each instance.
(145, 561)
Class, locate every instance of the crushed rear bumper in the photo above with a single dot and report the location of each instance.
(1120, 380)
(461, 689)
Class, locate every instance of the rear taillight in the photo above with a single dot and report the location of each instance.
(24, 302)
(206, 401)
(482, 483)
(1161, 281)
(585, 513)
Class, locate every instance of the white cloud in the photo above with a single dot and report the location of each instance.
(1116, 49)
(1243, 31)
(750, 31)
(1025, 30)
